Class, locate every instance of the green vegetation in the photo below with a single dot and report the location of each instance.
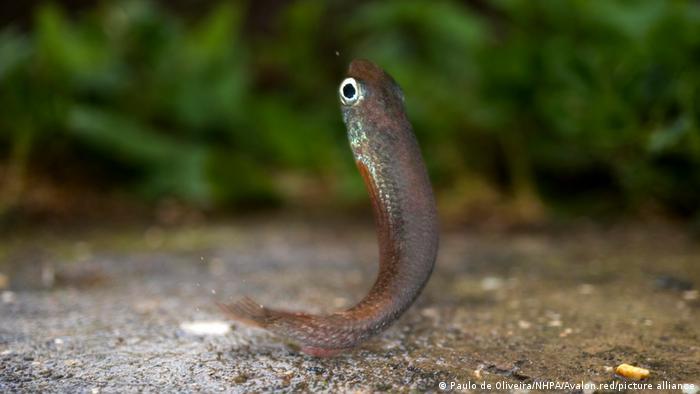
(574, 105)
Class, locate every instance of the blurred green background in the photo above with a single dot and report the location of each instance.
(527, 108)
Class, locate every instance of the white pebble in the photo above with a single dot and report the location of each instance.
(491, 283)
(8, 297)
(206, 327)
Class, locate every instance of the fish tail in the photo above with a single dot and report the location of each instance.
(248, 311)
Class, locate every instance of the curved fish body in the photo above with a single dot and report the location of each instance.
(388, 157)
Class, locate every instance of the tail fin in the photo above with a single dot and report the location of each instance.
(248, 311)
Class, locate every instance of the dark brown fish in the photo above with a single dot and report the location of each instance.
(389, 159)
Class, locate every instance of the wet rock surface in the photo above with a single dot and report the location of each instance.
(110, 311)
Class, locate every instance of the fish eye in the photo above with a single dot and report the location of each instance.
(349, 91)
